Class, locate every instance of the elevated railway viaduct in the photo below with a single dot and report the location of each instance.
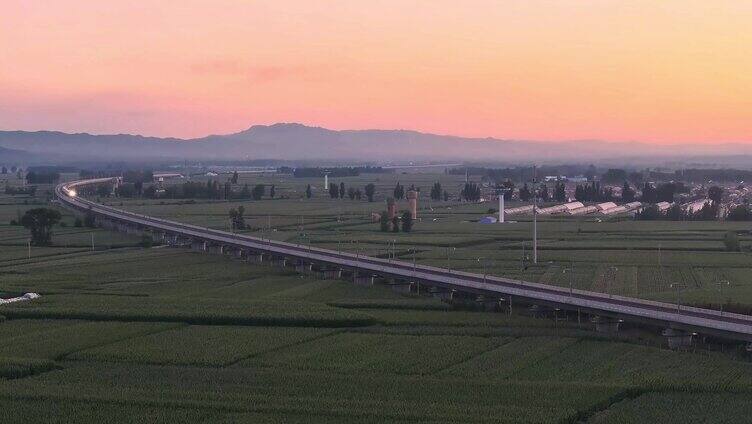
(680, 323)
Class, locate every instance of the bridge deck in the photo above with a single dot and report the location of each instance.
(705, 321)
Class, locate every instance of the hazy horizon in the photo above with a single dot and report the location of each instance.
(673, 72)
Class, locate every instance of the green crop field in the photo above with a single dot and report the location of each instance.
(124, 333)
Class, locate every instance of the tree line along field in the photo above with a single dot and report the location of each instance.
(124, 333)
(662, 260)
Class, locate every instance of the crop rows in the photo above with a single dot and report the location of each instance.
(200, 345)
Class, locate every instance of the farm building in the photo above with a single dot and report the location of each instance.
(695, 206)
(519, 210)
(583, 210)
(605, 206)
(563, 208)
(663, 206)
(612, 211)
(632, 205)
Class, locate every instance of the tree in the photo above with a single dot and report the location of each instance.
(436, 191)
(234, 178)
(384, 222)
(739, 213)
(237, 220)
(648, 193)
(245, 193)
(227, 190)
(358, 194)
(89, 220)
(649, 213)
(40, 221)
(103, 190)
(676, 213)
(126, 190)
(258, 191)
(407, 222)
(272, 191)
(543, 193)
(395, 224)
(627, 194)
(351, 193)
(471, 192)
(446, 196)
(399, 191)
(560, 192)
(370, 190)
(614, 175)
(333, 191)
(308, 192)
(341, 190)
(708, 212)
(5, 170)
(525, 193)
(731, 241)
(715, 194)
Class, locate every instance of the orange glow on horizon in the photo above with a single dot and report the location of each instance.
(664, 72)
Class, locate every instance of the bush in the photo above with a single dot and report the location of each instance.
(89, 220)
(146, 241)
(731, 241)
(13, 222)
(78, 222)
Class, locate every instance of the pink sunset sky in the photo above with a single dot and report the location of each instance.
(661, 71)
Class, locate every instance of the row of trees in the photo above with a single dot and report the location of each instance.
(437, 193)
(559, 194)
(393, 225)
(593, 192)
(339, 192)
(708, 212)
(191, 190)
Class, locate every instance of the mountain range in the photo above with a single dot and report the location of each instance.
(291, 141)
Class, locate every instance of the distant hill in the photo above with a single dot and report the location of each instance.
(292, 141)
(8, 156)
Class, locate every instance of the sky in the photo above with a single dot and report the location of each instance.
(669, 71)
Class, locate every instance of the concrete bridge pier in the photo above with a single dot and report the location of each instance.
(132, 229)
(362, 279)
(446, 295)
(216, 249)
(174, 240)
(157, 236)
(677, 339)
(255, 257)
(606, 324)
(330, 273)
(302, 267)
(279, 262)
(401, 286)
(488, 303)
(198, 245)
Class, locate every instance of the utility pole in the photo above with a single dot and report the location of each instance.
(535, 218)
(92, 241)
(28, 243)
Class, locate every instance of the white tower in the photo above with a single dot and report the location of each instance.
(501, 207)
(326, 181)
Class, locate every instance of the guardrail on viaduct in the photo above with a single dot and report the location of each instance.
(681, 323)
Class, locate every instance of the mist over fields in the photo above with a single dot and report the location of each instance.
(299, 142)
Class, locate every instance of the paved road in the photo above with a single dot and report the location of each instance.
(703, 321)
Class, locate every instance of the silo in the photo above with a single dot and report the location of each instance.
(412, 200)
